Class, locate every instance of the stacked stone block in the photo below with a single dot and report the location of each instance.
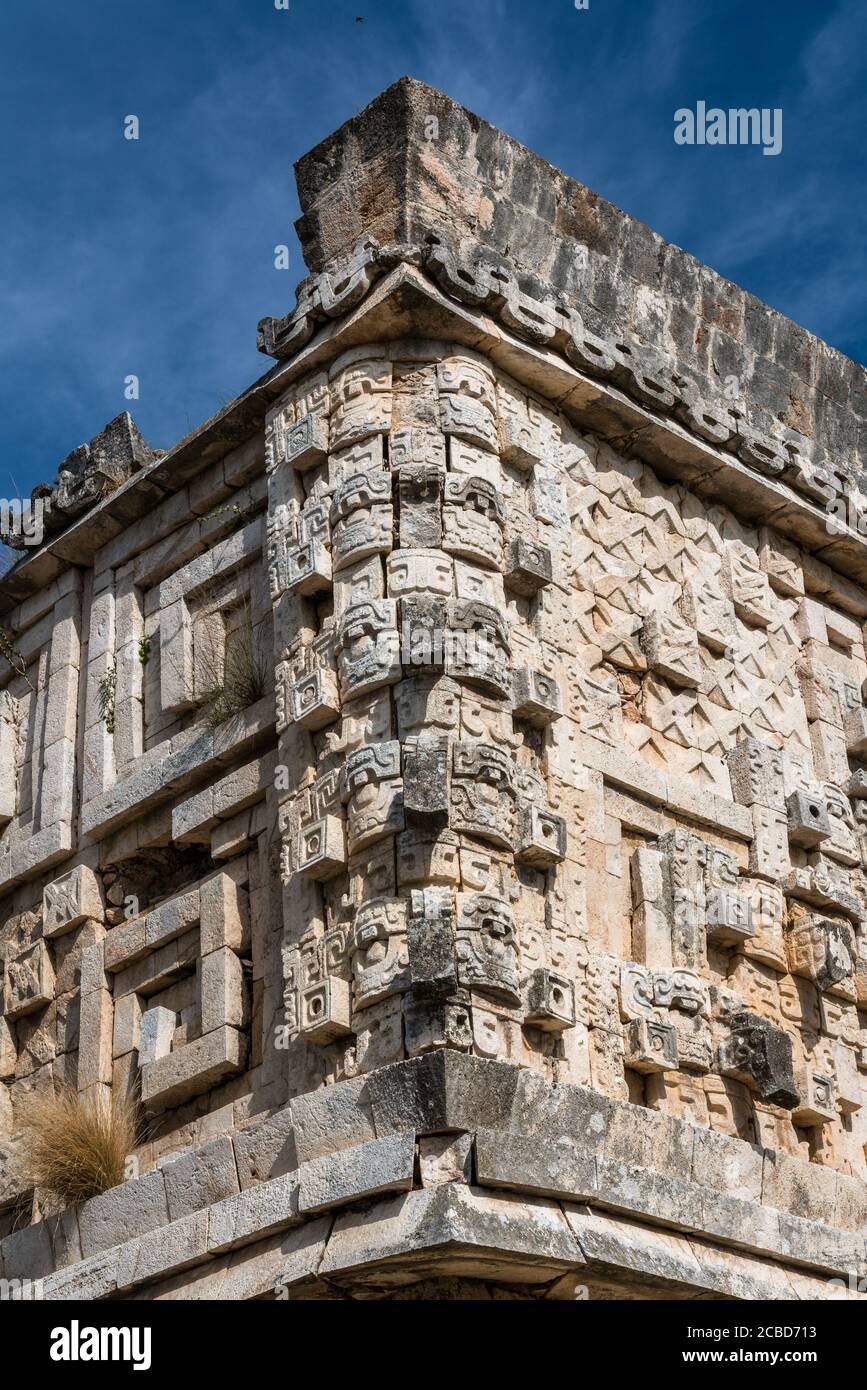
(525, 885)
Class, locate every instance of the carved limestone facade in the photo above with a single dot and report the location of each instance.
(522, 896)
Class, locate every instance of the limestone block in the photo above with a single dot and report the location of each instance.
(386, 1165)
(332, 1118)
(541, 837)
(253, 1214)
(561, 1169)
(651, 1046)
(321, 849)
(368, 647)
(266, 1149)
(444, 1158)
(671, 649)
(222, 990)
(781, 562)
(472, 520)
(172, 918)
(756, 772)
(729, 918)
(417, 446)
(483, 794)
(127, 1025)
(848, 1085)
(760, 1054)
(651, 929)
(537, 698)
(480, 655)
(802, 1190)
(747, 587)
(325, 1010)
(200, 1178)
(816, 1098)
(8, 1060)
(380, 962)
(808, 819)
(468, 420)
(371, 784)
(528, 566)
(769, 851)
(122, 1213)
(712, 616)
(58, 783)
(362, 518)
(550, 1001)
(177, 690)
(156, 1034)
(424, 633)
(829, 752)
(547, 498)
(425, 784)
(61, 709)
(420, 487)
(8, 758)
(431, 944)
(314, 700)
(361, 402)
(71, 900)
(419, 572)
(821, 950)
(308, 568)
(855, 730)
(431, 1025)
(188, 1071)
(306, 442)
(29, 981)
(486, 945)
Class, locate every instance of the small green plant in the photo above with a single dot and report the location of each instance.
(243, 681)
(234, 517)
(107, 692)
(12, 656)
(76, 1147)
(144, 650)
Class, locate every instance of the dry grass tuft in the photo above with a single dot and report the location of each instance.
(76, 1147)
(243, 682)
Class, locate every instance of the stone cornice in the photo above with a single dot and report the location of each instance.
(399, 298)
(478, 277)
(564, 1205)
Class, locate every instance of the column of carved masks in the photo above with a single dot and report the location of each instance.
(432, 895)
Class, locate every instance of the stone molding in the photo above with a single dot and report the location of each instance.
(478, 277)
(559, 1177)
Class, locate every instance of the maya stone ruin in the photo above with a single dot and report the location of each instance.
(509, 940)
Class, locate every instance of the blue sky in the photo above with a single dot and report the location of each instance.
(156, 258)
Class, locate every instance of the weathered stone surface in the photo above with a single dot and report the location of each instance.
(131, 1209)
(332, 1118)
(452, 1215)
(266, 1149)
(257, 1212)
(445, 1158)
(382, 1166)
(198, 1179)
(444, 768)
(561, 1168)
